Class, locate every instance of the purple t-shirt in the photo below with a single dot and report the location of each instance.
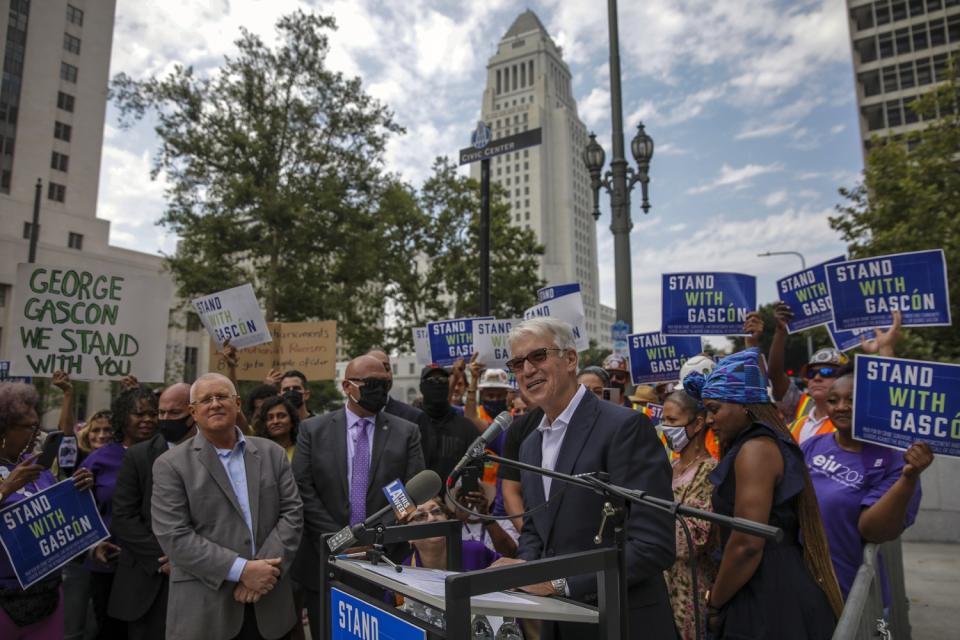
(8, 577)
(846, 483)
(475, 556)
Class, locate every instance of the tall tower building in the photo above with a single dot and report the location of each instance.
(900, 49)
(528, 86)
(53, 100)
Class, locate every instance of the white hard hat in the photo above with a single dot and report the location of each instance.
(494, 379)
(699, 363)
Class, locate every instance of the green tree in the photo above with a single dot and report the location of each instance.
(909, 200)
(593, 356)
(275, 165)
(433, 242)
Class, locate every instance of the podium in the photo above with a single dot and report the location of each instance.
(350, 613)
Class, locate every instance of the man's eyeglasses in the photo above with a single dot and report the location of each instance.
(536, 357)
(372, 383)
(824, 372)
(216, 397)
(422, 516)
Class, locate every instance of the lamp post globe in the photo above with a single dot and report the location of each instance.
(642, 148)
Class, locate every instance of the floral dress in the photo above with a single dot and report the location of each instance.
(693, 488)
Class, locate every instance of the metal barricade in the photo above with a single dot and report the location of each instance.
(863, 615)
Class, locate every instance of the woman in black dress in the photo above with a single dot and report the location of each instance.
(764, 589)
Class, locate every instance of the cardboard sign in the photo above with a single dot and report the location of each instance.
(94, 324)
(490, 341)
(451, 340)
(808, 295)
(563, 302)
(655, 357)
(234, 314)
(421, 346)
(897, 402)
(707, 304)
(865, 292)
(309, 347)
(43, 532)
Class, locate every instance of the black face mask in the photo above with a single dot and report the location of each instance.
(436, 402)
(173, 431)
(494, 407)
(294, 397)
(374, 394)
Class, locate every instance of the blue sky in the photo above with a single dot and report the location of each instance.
(751, 104)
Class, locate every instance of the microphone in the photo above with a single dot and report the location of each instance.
(422, 487)
(500, 424)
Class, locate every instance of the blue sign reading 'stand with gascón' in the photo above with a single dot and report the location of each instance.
(352, 618)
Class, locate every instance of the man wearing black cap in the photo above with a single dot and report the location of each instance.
(446, 435)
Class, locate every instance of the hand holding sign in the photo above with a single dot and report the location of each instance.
(918, 457)
(753, 327)
(25, 472)
(883, 342)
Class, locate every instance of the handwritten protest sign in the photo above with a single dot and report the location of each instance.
(490, 341)
(897, 402)
(807, 294)
(43, 532)
(865, 292)
(655, 357)
(233, 314)
(421, 346)
(309, 347)
(562, 302)
(94, 324)
(451, 340)
(707, 304)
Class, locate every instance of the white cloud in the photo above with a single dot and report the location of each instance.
(837, 128)
(595, 108)
(737, 177)
(775, 198)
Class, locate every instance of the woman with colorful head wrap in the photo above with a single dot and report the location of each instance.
(763, 589)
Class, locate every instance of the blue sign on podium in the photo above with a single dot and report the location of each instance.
(353, 618)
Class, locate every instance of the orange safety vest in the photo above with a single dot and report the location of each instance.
(804, 407)
(489, 468)
(796, 427)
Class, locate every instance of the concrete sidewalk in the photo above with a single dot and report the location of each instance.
(932, 572)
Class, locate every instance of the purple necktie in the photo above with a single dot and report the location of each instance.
(360, 476)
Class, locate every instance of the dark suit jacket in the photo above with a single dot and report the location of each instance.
(137, 582)
(320, 467)
(606, 437)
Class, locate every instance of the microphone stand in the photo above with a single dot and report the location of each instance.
(375, 554)
(618, 517)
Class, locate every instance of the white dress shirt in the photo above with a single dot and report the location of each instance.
(552, 435)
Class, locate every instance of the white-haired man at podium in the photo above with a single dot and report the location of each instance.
(581, 434)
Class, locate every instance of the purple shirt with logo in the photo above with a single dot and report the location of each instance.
(846, 483)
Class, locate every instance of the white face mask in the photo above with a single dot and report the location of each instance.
(677, 438)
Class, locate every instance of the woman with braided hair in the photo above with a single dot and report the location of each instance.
(782, 590)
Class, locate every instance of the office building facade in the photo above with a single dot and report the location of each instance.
(548, 188)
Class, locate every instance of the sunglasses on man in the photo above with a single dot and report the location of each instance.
(536, 358)
(823, 372)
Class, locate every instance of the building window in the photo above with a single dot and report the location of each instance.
(74, 15)
(59, 161)
(190, 364)
(62, 131)
(75, 241)
(65, 101)
(71, 43)
(68, 72)
(56, 192)
(5, 181)
(6, 146)
(193, 322)
(3, 295)
(27, 230)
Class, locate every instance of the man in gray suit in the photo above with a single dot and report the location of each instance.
(342, 461)
(227, 514)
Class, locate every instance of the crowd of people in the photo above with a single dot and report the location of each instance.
(217, 505)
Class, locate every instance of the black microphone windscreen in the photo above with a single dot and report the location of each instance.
(423, 486)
